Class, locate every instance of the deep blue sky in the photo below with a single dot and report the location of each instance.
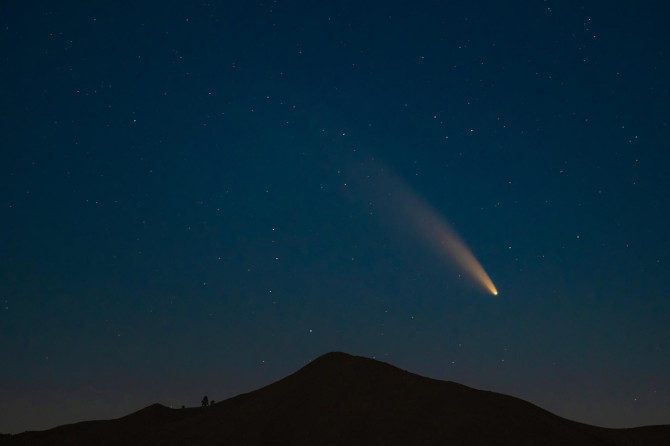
(190, 200)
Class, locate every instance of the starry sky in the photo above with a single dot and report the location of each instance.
(201, 197)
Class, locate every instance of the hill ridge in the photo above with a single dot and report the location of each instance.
(339, 398)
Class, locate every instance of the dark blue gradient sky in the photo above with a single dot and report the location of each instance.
(195, 200)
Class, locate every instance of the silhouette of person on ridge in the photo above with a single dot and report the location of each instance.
(205, 401)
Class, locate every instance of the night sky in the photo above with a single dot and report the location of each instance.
(201, 198)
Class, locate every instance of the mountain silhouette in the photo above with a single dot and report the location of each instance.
(339, 399)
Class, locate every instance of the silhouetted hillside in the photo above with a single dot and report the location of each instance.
(340, 399)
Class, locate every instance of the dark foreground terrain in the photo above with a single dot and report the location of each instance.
(340, 399)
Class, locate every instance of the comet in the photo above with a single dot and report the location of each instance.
(434, 229)
(417, 215)
(453, 246)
